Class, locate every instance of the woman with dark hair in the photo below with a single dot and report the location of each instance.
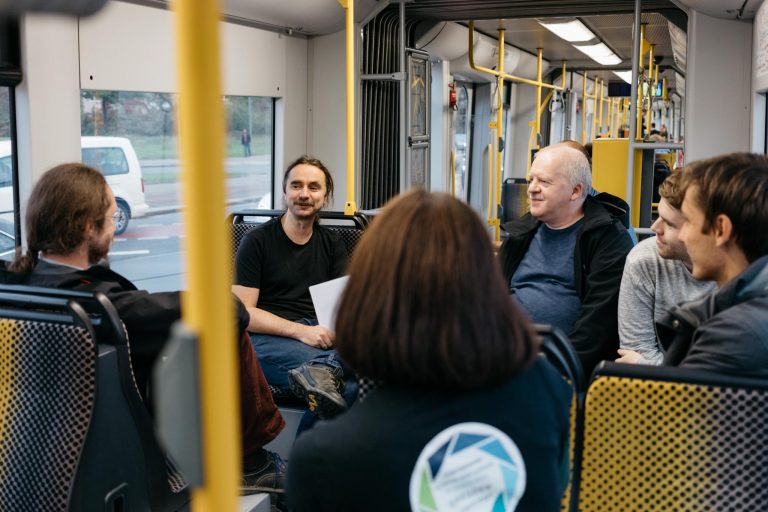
(464, 413)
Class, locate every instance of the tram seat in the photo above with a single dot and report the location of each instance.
(76, 435)
(559, 351)
(349, 227)
(661, 438)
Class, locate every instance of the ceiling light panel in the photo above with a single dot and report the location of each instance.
(600, 53)
(572, 31)
(624, 75)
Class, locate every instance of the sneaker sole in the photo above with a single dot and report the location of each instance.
(247, 491)
(318, 402)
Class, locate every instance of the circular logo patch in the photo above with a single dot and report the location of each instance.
(468, 467)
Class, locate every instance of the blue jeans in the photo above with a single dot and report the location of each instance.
(278, 354)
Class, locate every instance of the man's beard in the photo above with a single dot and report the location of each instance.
(97, 252)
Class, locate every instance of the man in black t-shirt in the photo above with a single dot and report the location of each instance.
(276, 264)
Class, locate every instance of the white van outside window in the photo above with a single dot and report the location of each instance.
(114, 157)
(117, 160)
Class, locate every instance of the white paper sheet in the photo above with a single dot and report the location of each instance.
(326, 297)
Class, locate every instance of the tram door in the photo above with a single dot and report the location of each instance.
(417, 120)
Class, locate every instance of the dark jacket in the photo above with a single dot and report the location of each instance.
(725, 331)
(602, 245)
(365, 458)
(148, 317)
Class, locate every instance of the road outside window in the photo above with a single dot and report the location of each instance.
(132, 138)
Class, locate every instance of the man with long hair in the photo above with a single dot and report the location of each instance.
(275, 266)
(70, 227)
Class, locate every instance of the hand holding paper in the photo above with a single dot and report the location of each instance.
(326, 297)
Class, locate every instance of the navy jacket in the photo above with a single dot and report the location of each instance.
(725, 331)
(602, 245)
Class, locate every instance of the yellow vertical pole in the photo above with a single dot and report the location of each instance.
(207, 307)
(499, 132)
(650, 95)
(594, 108)
(349, 5)
(583, 105)
(453, 174)
(640, 113)
(490, 184)
(611, 117)
(539, 53)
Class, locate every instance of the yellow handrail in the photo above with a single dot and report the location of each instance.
(499, 131)
(650, 95)
(598, 83)
(602, 100)
(497, 125)
(490, 184)
(584, 98)
(506, 76)
(207, 307)
(453, 174)
(349, 5)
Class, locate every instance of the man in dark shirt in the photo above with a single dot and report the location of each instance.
(564, 259)
(70, 227)
(276, 264)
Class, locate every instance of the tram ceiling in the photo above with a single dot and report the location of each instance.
(614, 30)
(462, 10)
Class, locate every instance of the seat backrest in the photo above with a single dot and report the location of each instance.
(349, 227)
(121, 429)
(662, 438)
(559, 351)
(47, 396)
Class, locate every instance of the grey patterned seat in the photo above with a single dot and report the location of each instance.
(349, 227)
(73, 345)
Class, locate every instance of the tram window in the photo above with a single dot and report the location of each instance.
(7, 237)
(6, 172)
(147, 247)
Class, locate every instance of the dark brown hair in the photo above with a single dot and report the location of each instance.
(735, 185)
(63, 202)
(671, 190)
(314, 162)
(426, 304)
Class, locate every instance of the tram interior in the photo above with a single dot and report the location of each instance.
(427, 124)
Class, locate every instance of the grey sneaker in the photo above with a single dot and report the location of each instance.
(319, 386)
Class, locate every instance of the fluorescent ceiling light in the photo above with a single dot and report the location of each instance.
(624, 75)
(572, 31)
(600, 53)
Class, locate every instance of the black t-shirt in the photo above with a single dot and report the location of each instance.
(283, 271)
(364, 459)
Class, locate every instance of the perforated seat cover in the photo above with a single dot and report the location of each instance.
(47, 391)
(669, 446)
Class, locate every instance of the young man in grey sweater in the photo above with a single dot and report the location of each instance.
(657, 276)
